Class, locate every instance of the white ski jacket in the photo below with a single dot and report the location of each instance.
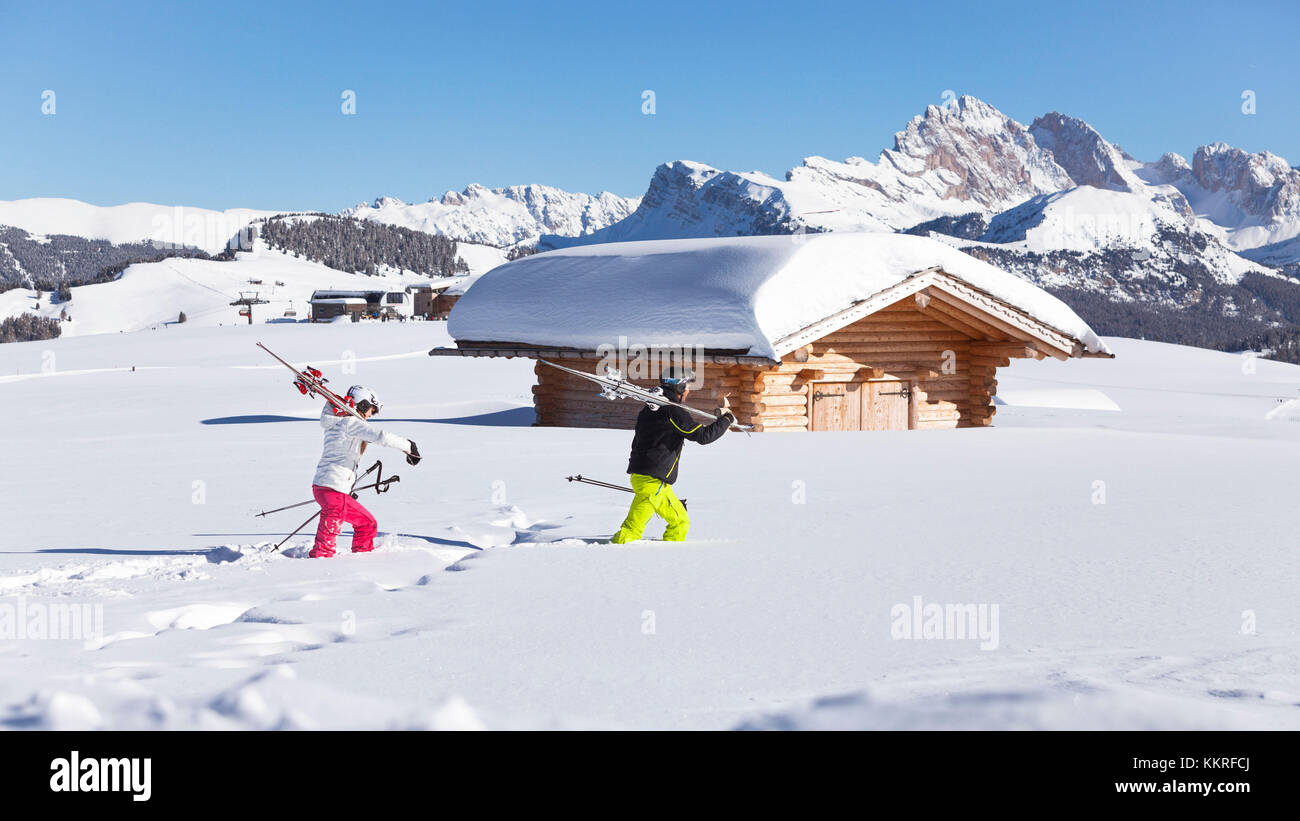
(342, 452)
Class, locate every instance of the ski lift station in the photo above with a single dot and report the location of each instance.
(811, 332)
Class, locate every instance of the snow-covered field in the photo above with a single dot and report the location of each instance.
(1141, 560)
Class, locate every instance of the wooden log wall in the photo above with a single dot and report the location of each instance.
(898, 342)
(562, 399)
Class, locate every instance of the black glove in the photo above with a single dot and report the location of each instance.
(413, 458)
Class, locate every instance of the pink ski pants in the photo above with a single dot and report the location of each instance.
(335, 509)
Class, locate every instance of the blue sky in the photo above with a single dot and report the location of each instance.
(232, 104)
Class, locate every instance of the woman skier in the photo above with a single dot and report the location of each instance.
(345, 440)
(656, 451)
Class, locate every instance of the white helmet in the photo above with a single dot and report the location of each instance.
(358, 394)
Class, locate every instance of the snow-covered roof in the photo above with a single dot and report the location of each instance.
(339, 300)
(735, 293)
(461, 285)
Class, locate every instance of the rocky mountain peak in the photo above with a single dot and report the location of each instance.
(1263, 185)
(992, 160)
(1084, 154)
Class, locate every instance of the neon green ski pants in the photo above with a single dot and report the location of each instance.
(653, 496)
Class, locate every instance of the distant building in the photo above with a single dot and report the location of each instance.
(433, 300)
(444, 302)
(422, 297)
(326, 308)
(428, 300)
(372, 299)
(398, 304)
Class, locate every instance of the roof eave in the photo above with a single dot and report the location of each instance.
(1060, 344)
(512, 350)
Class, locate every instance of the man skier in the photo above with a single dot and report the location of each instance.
(345, 440)
(656, 451)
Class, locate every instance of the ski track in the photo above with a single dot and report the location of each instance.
(254, 643)
(257, 638)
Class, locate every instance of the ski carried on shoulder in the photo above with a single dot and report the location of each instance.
(617, 387)
(310, 382)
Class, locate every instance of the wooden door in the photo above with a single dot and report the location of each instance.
(835, 405)
(886, 405)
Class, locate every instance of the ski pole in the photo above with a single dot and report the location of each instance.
(586, 481)
(295, 531)
(380, 487)
(286, 507)
(598, 483)
(377, 485)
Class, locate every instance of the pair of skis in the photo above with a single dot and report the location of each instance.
(310, 382)
(615, 386)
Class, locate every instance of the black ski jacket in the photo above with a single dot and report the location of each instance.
(657, 445)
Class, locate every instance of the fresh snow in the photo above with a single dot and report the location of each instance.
(1142, 559)
(1079, 398)
(741, 293)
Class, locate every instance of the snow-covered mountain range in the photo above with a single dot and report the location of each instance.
(969, 160)
(502, 217)
(1054, 202)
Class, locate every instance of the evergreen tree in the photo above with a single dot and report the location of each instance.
(28, 327)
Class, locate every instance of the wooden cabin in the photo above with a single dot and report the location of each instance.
(441, 305)
(914, 340)
(448, 298)
(434, 300)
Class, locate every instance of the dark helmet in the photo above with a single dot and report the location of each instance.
(675, 379)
